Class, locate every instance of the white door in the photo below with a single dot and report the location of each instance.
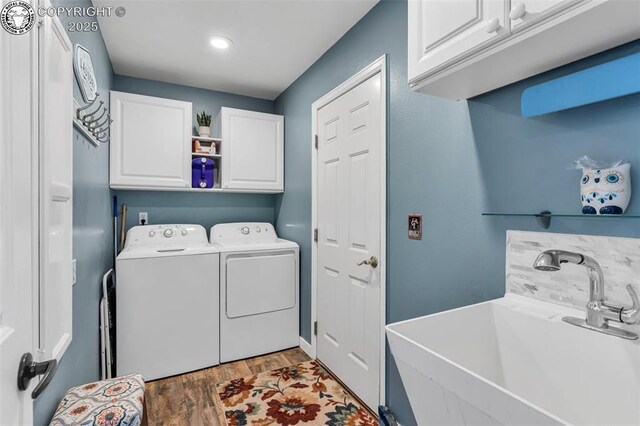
(252, 150)
(150, 143)
(35, 214)
(443, 30)
(349, 232)
(17, 281)
(56, 188)
(525, 13)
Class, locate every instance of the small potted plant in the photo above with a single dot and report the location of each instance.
(204, 123)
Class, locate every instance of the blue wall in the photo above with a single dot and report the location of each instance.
(203, 209)
(451, 161)
(92, 239)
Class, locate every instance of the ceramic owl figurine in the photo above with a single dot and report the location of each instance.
(606, 191)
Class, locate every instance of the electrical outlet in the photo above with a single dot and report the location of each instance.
(143, 218)
(74, 264)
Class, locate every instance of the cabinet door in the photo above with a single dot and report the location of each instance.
(441, 31)
(150, 142)
(525, 13)
(252, 150)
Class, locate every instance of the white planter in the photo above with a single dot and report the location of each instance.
(204, 131)
(606, 191)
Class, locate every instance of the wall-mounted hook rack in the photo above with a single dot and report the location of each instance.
(94, 124)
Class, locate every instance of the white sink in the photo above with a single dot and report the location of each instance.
(512, 361)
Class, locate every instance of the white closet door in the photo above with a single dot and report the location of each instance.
(252, 150)
(150, 142)
(349, 223)
(56, 188)
(17, 231)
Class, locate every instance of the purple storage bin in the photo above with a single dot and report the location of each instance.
(202, 172)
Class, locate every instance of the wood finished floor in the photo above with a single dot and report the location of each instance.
(189, 400)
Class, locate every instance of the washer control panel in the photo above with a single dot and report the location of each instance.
(250, 232)
(158, 234)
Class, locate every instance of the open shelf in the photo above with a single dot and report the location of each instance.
(206, 139)
(544, 217)
(198, 154)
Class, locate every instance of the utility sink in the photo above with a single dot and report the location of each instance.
(512, 361)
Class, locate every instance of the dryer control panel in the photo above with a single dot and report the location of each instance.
(158, 234)
(250, 232)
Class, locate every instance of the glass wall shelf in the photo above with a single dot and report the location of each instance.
(544, 217)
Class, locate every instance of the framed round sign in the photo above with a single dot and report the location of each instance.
(83, 68)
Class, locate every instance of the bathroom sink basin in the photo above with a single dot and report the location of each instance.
(512, 361)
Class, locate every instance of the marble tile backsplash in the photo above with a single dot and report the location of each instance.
(618, 257)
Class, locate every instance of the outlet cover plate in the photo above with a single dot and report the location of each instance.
(143, 216)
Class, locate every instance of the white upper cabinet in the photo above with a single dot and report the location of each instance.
(462, 48)
(252, 150)
(151, 147)
(150, 142)
(442, 30)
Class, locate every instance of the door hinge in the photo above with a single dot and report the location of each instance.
(316, 142)
(315, 235)
(315, 328)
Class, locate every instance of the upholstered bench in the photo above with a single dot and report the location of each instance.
(117, 401)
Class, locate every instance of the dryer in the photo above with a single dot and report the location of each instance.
(167, 298)
(259, 290)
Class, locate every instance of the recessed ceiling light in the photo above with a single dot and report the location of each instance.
(220, 42)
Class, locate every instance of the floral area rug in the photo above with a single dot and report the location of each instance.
(301, 394)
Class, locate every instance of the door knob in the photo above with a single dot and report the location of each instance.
(28, 369)
(493, 25)
(373, 261)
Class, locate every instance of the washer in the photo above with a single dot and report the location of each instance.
(167, 299)
(259, 282)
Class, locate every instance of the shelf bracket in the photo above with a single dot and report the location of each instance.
(544, 219)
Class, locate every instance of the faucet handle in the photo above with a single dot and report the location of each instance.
(632, 314)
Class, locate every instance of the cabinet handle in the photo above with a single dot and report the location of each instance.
(517, 12)
(493, 25)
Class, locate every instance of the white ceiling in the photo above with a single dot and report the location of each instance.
(275, 40)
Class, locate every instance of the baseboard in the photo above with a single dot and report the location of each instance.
(307, 348)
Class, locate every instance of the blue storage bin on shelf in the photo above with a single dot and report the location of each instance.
(202, 172)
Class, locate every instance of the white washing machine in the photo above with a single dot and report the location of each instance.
(259, 281)
(167, 298)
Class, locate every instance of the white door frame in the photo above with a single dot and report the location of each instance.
(377, 66)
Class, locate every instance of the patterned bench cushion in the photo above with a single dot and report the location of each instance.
(110, 402)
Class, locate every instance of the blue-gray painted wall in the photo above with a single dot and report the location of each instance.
(92, 238)
(451, 161)
(202, 209)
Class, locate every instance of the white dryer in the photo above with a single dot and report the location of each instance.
(167, 298)
(259, 290)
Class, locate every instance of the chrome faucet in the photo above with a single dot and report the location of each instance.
(599, 312)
